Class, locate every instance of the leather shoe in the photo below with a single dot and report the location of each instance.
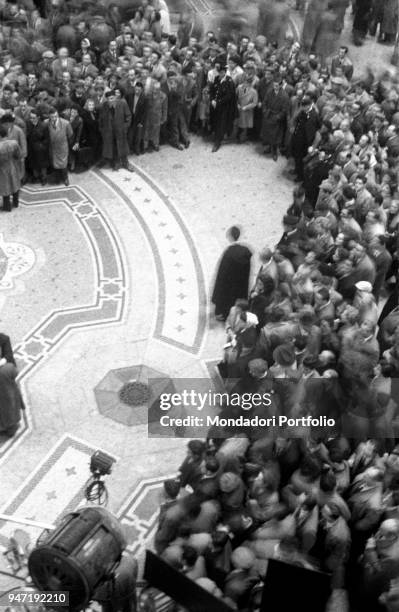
(180, 147)
(66, 182)
(129, 168)
(274, 156)
(215, 148)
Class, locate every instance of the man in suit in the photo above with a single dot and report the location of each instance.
(86, 67)
(22, 111)
(392, 143)
(138, 108)
(31, 90)
(110, 56)
(63, 63)
(358, 124)
(306, 125)
(289, 242)
(78, 96)
(223, 105)
(342, 60)
(275, 109)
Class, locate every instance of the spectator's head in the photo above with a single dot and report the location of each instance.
(63, 53)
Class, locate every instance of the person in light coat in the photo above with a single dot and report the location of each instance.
(60, 135)
(10, 179)
(14, 132)
(247, 101)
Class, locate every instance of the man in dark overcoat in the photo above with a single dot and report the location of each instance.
(223, 110)
(274, 111)
(114, 122)
(37, 136)
(232, 276)
(137, 103)
(306, 125)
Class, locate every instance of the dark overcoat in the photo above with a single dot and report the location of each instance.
(38, 145)
(306, 126)
(275, 109)
(114, 128)
(232, 278)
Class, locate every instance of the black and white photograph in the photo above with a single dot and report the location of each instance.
(199, 305)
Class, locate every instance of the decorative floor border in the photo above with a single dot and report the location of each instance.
(110, 285)
(164, 262)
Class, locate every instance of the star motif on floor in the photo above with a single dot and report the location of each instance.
(168, 237)
(179, 328)
(163, 224)
(127, 178)
(177, 265)
(137, 188)
(155, 212)
(70, 471)
(147, 200)
(174, 251)
(181, 312)
(181, 280)
(51, 495)
(181, 296)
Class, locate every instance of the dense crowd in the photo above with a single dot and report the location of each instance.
(319, 329)
(90, 83)
(319, 332)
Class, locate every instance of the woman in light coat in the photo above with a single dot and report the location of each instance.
(247, 101)
(10, 177)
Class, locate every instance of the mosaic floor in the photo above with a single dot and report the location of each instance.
(108, 281)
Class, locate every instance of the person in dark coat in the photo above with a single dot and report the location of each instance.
(114, 123)
(223, 106)
(138, 108)
(305, 128)
(11, 402)
(76, 122)
(361, 20)
(38, 147)
(91, 137)
(289, 244)
(232, 277)
(275, 109)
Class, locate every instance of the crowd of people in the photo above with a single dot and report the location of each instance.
(318, 331)
(85, 84)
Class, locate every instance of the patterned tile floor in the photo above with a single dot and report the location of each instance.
(109, 279)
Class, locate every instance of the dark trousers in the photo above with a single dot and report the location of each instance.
(7, 201)
(299, 167)
(40, 173)
(177, 128)
(61, 174)
(135, 138)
